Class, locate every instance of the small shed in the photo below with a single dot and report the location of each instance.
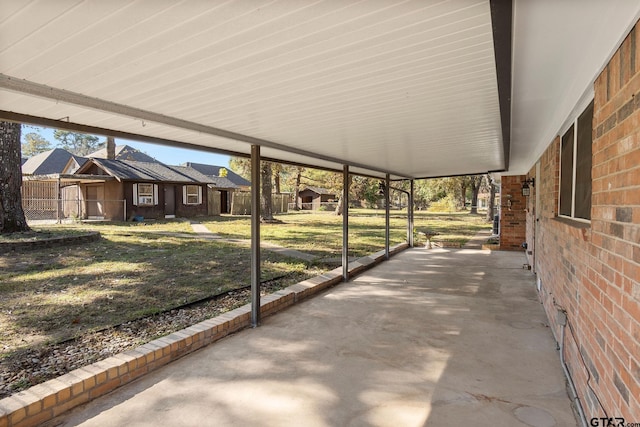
(312, 198)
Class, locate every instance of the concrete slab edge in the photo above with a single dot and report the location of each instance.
(52, 398)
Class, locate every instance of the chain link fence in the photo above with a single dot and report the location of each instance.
(58, 210)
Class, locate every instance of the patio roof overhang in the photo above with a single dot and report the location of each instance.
(415, 89)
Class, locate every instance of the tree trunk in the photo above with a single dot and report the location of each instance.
(276, 178)
(476, 182)
(340, 206)
(11, 214)
(266, 175)
(492, 200)
(297, 192)
(463, 194)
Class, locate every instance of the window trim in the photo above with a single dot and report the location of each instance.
(186, 194)
(573, 124)
(137, 195)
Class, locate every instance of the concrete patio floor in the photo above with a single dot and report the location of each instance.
(433, 337)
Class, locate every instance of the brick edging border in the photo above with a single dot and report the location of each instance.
(52, 398)
(91, 236)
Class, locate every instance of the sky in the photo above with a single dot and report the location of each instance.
(162, 153)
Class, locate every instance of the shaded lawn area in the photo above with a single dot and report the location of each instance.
(49, 295)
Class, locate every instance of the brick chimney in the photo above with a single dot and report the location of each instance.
(111, 148)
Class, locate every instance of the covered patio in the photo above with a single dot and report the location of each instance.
(396, 91)
(432, 337)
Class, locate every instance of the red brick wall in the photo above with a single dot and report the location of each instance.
(512, 213)
(593, 270)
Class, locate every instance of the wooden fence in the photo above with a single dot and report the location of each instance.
(241, 203)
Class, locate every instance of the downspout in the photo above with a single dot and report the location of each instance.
(562, 318)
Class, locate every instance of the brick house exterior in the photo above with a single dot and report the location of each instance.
(590, 270)
(512, 213)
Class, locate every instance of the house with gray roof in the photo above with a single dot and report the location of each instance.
(225, 183)
(132, 184)
(124, 152)
(47, 163)
(232, 181)
(147, 189)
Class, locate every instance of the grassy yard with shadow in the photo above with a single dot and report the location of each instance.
(49, 295)
(320, 233)
(139, 269)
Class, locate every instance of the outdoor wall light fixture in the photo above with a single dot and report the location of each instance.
(526, 191)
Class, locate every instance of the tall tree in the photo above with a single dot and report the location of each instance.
(278, 170)
(33, 144)
(11, 214)
(475, 182)
(492, 198)
(266, 176)
(340, 206)
(297, 184)
(241, 166)
(79, 144)
(365, 190)
(463, 182)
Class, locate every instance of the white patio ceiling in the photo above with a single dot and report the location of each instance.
(405, 87)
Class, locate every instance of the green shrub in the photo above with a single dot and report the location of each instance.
(446, 204)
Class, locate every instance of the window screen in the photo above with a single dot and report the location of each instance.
(583, 164)
(566, 172)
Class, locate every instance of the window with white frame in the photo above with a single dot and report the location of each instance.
(145, 194)
(192, 194)
(575, 167)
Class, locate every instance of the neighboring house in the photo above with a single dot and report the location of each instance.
(148, 189)
(483, 200)
(224, 183)
(311, 198)
(47, 163)
(58, 184)
(74, 163)
(220, 171)
(124, 152)
(49, 192)
(581, 226)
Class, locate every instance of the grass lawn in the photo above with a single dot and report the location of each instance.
(49, 295)
(321, 233)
